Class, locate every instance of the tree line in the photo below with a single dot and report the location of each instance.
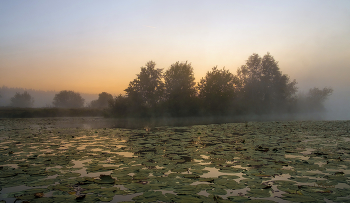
(258, 87)
(63, 99)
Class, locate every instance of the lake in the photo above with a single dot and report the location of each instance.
(104, 160)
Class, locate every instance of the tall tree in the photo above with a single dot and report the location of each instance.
(24, 100)
(217, 90)
(262, 86)
(180, 89)
(68, 99)
(103, 100)
(146, 91)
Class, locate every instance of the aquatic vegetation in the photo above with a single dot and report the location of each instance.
(42, 161)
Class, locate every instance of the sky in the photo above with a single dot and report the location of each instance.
(99, 46)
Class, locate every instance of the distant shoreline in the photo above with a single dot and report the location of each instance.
(11, 112)
(98, 118)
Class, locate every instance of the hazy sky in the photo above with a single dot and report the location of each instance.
(95, 46)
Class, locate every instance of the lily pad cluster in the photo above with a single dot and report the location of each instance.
(295, 161)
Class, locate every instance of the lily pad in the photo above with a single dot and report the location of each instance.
(259, 193)
(217, 191)
(105, 179)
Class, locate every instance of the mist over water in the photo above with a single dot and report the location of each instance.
(338, 106)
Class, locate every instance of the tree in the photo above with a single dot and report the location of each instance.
(119, 106)
(262, 86)
(313, 101)
(217, 90)
(22, 100)
(103, 100)
(319, 96)
(180, 89)
(68, 99)
(146, 91)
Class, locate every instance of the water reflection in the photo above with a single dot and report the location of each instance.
(214, 173)
(126, 154)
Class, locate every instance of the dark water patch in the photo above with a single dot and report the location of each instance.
(181, 130)
(145, 151)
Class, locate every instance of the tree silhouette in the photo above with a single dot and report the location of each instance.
(313, 101)
(68, 99)
(217, 90)
(146, 91)
(262, 86)
(119, 106)
(22, 100)
(316, 95)
(258, 88)
(103, 100)
(180, 89)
